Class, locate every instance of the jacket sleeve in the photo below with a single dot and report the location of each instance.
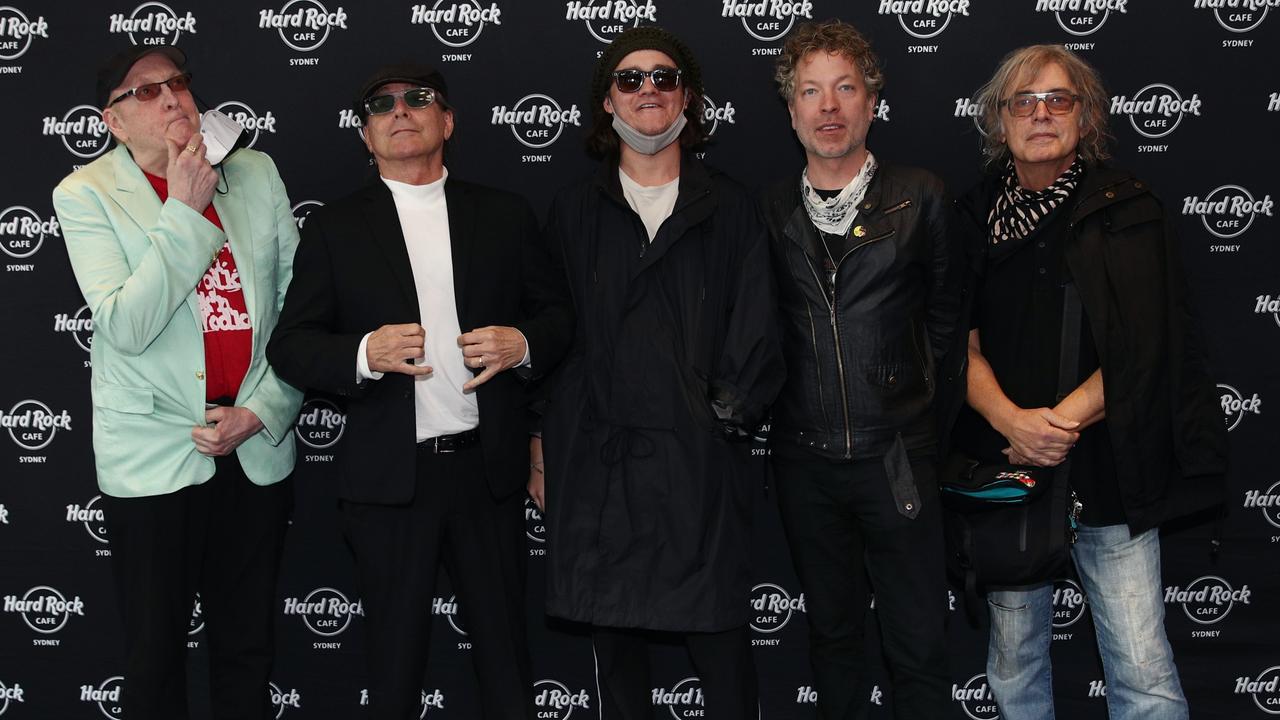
(131, 306)
(946, 272)
(305, 348)
(545, 306)
(274, 401)
(749, 371)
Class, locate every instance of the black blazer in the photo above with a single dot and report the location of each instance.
(351, 275)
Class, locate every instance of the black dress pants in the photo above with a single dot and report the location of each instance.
(722, 660)
(843, 527)
(452, 518)
(222, 539)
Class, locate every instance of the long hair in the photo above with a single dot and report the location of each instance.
(833, 37)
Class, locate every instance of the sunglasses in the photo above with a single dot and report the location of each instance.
(631, 80)
(1025, 104)
(413, 97)
(151, 91)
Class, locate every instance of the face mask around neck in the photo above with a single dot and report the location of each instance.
(648, 144)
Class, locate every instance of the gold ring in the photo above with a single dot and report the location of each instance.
(191, 149)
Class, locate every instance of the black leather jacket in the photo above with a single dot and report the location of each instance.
(861, 370)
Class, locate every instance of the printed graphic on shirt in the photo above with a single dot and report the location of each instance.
(215, 293)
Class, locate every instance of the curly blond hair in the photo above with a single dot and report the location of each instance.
(831, 36)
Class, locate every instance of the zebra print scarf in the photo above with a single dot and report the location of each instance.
(1017, 212)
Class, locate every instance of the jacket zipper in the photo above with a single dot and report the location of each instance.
(920, 356)
(813, 338)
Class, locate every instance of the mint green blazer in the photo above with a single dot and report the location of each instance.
(138, 261)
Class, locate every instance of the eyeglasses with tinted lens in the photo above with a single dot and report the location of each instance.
(413, 97)
(1057, 102)
(631, 80)
(151, 91)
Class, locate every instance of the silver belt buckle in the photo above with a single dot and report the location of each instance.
(436, 442)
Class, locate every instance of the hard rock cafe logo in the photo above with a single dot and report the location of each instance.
(304, 25)
(325, 611)
(772, 606)
(767, 20)
(536, 120)
(429, 699)
(555, 701)
(1069, 604)
(82, 131)
(607, 19)
(1207, 600)
(44, 609)
(303, 209)
(1268, 501)
(449, 609)
(10, 694)
(534, 524)
(17, 31)
(281, 699)
(80, 326)
(1238, 16)
(1156, 110)
(22, 231)
(349, 119)
(713, 114)
(456, 23)
(1082, 17)
(975, 698)
(152, 23)
(1228, 210)
(106, 696)
(683, 700)
(196, 623)
(320, 423)
(32, 424)
(966, 107)
(1235, 405)
(91, 516)
(251, 121)
(1268, 304)
(1265, 689)
(924, 19)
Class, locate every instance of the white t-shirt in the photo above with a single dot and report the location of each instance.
(652, 204)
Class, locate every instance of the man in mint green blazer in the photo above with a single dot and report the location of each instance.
(184, 268)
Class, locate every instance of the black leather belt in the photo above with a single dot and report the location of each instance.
(450, 443)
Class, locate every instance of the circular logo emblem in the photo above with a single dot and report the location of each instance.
(1241, 20)
(449, 609)
(1235, 405)
(154, 23)
(302, 210)
(1227, 211)
(196, 624)
(248, 119)
(976, 700)
(607, 19)
(325, 611)
(536, 120)
(1082, 22)
(304, 24)
(83, 132)
(458, 23)
(94, 519)
(433, 699)
(32, 424)
(554, 700)
(320, 424)
(534, 527)
(107, 696)
(771, 29)
(8, 693)
(21, 231)
(281, 699)
(1157, 110)
(1207, 600)
(1069, 604)
(18, 26)
(81, 327)
(46, 610)
(1268, 502)
(1265, 690)
(771, 607)
(715, 114)
(924, 25)
(684, 700)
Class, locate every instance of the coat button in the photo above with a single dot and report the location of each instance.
(908, 506)
(893, 379)
(866, 205)
(1138, 185)
(1109, 194)
(199, 375)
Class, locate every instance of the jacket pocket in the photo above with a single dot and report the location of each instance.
(902, 483)
(135, 401)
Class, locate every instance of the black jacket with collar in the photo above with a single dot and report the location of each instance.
(1161, 403)
(861, 370)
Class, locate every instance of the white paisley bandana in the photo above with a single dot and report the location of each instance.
(835, 215)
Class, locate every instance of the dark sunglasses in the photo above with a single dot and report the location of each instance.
(413, 97)
(631, 80)
(1024, 104)
(151, 91)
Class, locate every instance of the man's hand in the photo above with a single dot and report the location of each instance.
(228, 427)
(393, 348)
(537, 476)
(1038, 436)
(191, 178)
(494, 348)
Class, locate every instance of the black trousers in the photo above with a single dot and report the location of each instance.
(222, 539)
(843, 528)
(398, 548)
(722, 660)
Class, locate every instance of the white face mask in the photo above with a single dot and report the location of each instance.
(648, 144)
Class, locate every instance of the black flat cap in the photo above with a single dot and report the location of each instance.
(113, 72)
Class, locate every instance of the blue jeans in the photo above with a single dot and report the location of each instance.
(1121, 579)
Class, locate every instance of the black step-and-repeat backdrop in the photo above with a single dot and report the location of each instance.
(1195, 109)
